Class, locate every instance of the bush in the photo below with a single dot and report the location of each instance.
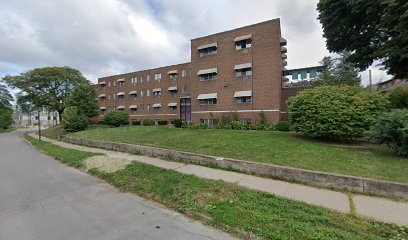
(147, 122)
(263, 122)
(238, 125)
(74, 120)
(391, 129)
(283, 126)
(198, 126)
(6, 117)
(94, 120)
(178, 123)
(136, 122)
(342, 112)
(398, 98)
(116, 118)
(162, 122)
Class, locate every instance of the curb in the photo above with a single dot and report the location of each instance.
(338, 181)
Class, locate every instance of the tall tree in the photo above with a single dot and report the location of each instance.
(84, 97)
(338, 71)
(48, 87)
(6, 114)
(5, 97)
(25, 105)
(371, 30)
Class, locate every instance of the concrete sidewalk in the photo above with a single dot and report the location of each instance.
(373, 207)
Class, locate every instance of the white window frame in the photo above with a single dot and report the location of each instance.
(243, 44)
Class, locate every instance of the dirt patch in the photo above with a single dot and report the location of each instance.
(105, 163)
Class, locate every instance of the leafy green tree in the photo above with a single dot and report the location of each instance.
(398, 98)
(5, 97)
(48, 87)
(74, 120)
(25, 105)
(342, 112)
(84, 97)
(6, 117)
(371, 30)
(338, 71)
(391, 129)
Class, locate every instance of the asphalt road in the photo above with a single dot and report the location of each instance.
(41, 198)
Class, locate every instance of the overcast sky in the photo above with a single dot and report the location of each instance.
(107, 37)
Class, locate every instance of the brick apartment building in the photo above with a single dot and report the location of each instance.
(237, 71)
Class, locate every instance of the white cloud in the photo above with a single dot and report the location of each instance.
(106, 37)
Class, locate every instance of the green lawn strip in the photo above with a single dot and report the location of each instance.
(54, 132)
(70, 157)
(7, 130)
(241, 211)
(286, 149)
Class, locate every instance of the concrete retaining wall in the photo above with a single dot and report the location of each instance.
(356, 184)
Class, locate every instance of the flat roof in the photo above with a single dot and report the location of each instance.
(240, 28)
(150, 69)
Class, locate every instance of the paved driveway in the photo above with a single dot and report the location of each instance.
(41, 198)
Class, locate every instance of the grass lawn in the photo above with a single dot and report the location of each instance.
(7, 130)
(231, 208)
(287, 149)
(70, 157)
(53, 132)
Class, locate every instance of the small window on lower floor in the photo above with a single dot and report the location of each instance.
(243, 100)
(208, 122)
(211, 101)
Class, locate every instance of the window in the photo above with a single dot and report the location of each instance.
(208, 51)
(148, 107)
(247, 43)
(183, 73)
(209, 76)
(243, 72)
(157, 76)
(142, 107)
(243, 99)
(113, 83)
(157, 93)
(133, 110)
(210, 101)
(109, 83)
(142, 79)
(173, 76)
(148, 77)
(173, 93)
(157, 109)
(209, 122)
(110, 96)
(133, 80)
(148, 93)
(184, 89)
(141, 93)
(121, 83)
(114, 96)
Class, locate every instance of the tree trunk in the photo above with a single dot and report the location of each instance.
(60, 116)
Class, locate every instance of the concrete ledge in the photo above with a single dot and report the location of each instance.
(357, 184)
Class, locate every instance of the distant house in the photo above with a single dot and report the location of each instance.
(392, 84)
(24, 119)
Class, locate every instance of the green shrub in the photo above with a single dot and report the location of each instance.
(178, 123)
(391, 129)
(147, 122)
(162, 122)
(136, 122)
(74, 120)
(198, 126)
(283, 126)
(263, 123)
(116, 118)
(238, 125)
(342, 112)
(6, 117)
(398, 98)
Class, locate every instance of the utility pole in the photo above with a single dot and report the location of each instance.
(370, 82)
(39, 125)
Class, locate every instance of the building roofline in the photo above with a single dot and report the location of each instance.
(150, 69)
(240, 28)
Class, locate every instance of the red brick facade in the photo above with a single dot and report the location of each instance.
(260, 58)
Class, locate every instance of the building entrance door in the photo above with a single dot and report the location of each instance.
(185, 109)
